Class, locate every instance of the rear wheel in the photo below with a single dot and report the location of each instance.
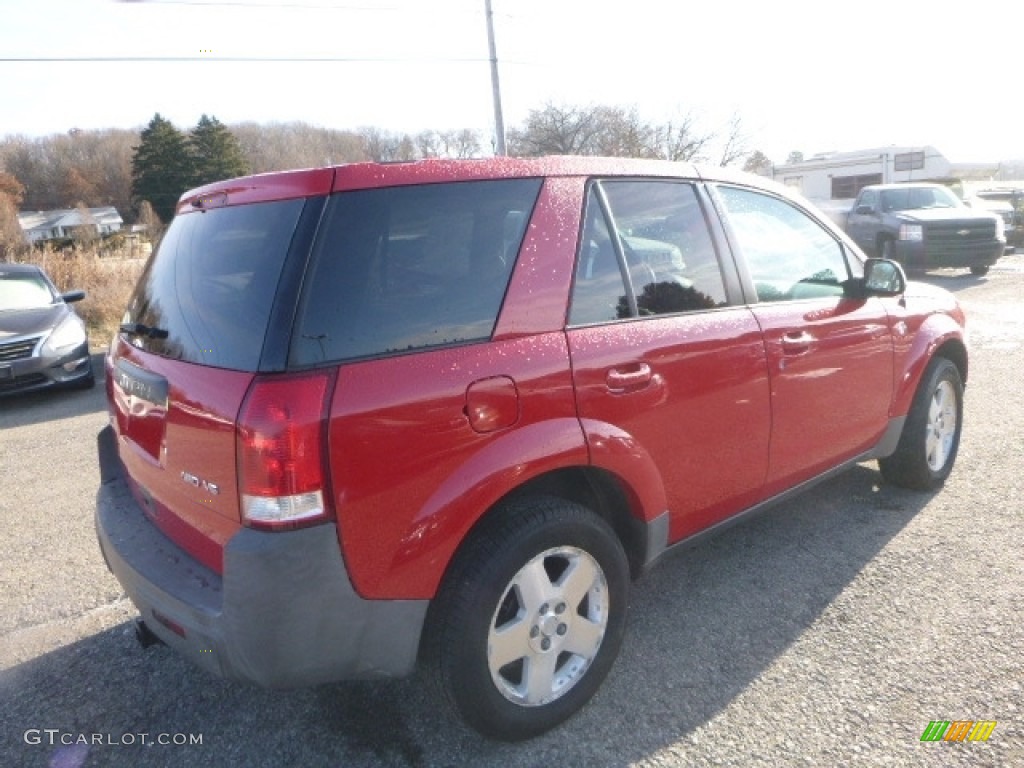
(931, 435)
(531, 617)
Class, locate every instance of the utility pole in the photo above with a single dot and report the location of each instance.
(499, 121)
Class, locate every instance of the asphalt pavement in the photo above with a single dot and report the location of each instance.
(828, 632)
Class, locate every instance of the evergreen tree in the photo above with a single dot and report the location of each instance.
(161, 167)
(216, 153)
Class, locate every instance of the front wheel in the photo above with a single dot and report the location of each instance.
(530, 618)
(931, 435)
(979, 270)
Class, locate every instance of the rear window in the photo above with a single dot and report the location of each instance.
(211, 284)
(405, 268)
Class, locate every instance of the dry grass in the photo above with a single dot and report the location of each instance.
(107, 280)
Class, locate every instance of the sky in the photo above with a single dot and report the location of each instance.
(806, 76)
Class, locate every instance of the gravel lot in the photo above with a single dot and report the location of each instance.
(827, 632)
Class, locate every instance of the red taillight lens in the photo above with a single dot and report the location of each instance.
(282, 433)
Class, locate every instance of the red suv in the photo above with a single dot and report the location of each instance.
(445, 411)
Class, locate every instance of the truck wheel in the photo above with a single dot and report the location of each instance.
(931, 435)
(979, 270)
(530, 618)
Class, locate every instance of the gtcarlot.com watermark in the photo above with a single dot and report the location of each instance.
(54, 737)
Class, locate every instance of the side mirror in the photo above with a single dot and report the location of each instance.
(72, 296)
(883, 277)
(865, 210)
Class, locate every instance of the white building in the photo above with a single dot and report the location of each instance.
(54, 225)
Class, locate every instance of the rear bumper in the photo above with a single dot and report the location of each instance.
(284, 614)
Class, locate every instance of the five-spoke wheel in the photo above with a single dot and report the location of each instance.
(931, 435)
(530, 617)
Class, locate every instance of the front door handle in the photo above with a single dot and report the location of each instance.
(629, 378)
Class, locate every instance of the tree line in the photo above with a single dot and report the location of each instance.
(143, 173)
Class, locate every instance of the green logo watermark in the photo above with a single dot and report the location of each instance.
(958, 730)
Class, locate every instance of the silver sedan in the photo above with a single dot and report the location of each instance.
(43, 342)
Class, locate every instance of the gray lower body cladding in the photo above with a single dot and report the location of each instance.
(284, 613)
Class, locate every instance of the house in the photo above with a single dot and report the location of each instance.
(59, 224)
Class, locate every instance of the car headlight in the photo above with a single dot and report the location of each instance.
(68, 334)
(914, 232)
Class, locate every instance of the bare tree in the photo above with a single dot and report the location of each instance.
(384, 146)
(12, 239)
(75, 188)
(557, 130)
(47, 167)
(622, 133)
(619, 132)
(280, 146)
(734, 145)
(429, 144)
(462, 143)
(680, 140)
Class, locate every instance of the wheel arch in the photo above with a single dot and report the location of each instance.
(939, 336)
(605, 494)
(955, 351)
(553, 458)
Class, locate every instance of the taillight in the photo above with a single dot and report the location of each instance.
(282, 451)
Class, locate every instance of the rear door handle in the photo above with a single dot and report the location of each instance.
(629, 378)
(797, 342)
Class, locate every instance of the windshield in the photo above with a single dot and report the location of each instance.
(915, 198)
(24, 291)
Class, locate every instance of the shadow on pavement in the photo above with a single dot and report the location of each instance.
(23, 410)
(703, 626)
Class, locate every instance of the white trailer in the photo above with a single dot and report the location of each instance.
(831, 180)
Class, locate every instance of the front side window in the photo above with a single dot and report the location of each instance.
(406, 268)
(789, 255)
(645, 250)
(869, 199)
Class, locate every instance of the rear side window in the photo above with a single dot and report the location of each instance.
(658, 240)
(211, 283)
(406, 268)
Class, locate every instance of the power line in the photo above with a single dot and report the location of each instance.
(306, 5)
(348, 59)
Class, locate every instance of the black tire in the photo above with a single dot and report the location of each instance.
(979, 270)
(928, 445)
(556, 624)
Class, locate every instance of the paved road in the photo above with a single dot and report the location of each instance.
(828, 632)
